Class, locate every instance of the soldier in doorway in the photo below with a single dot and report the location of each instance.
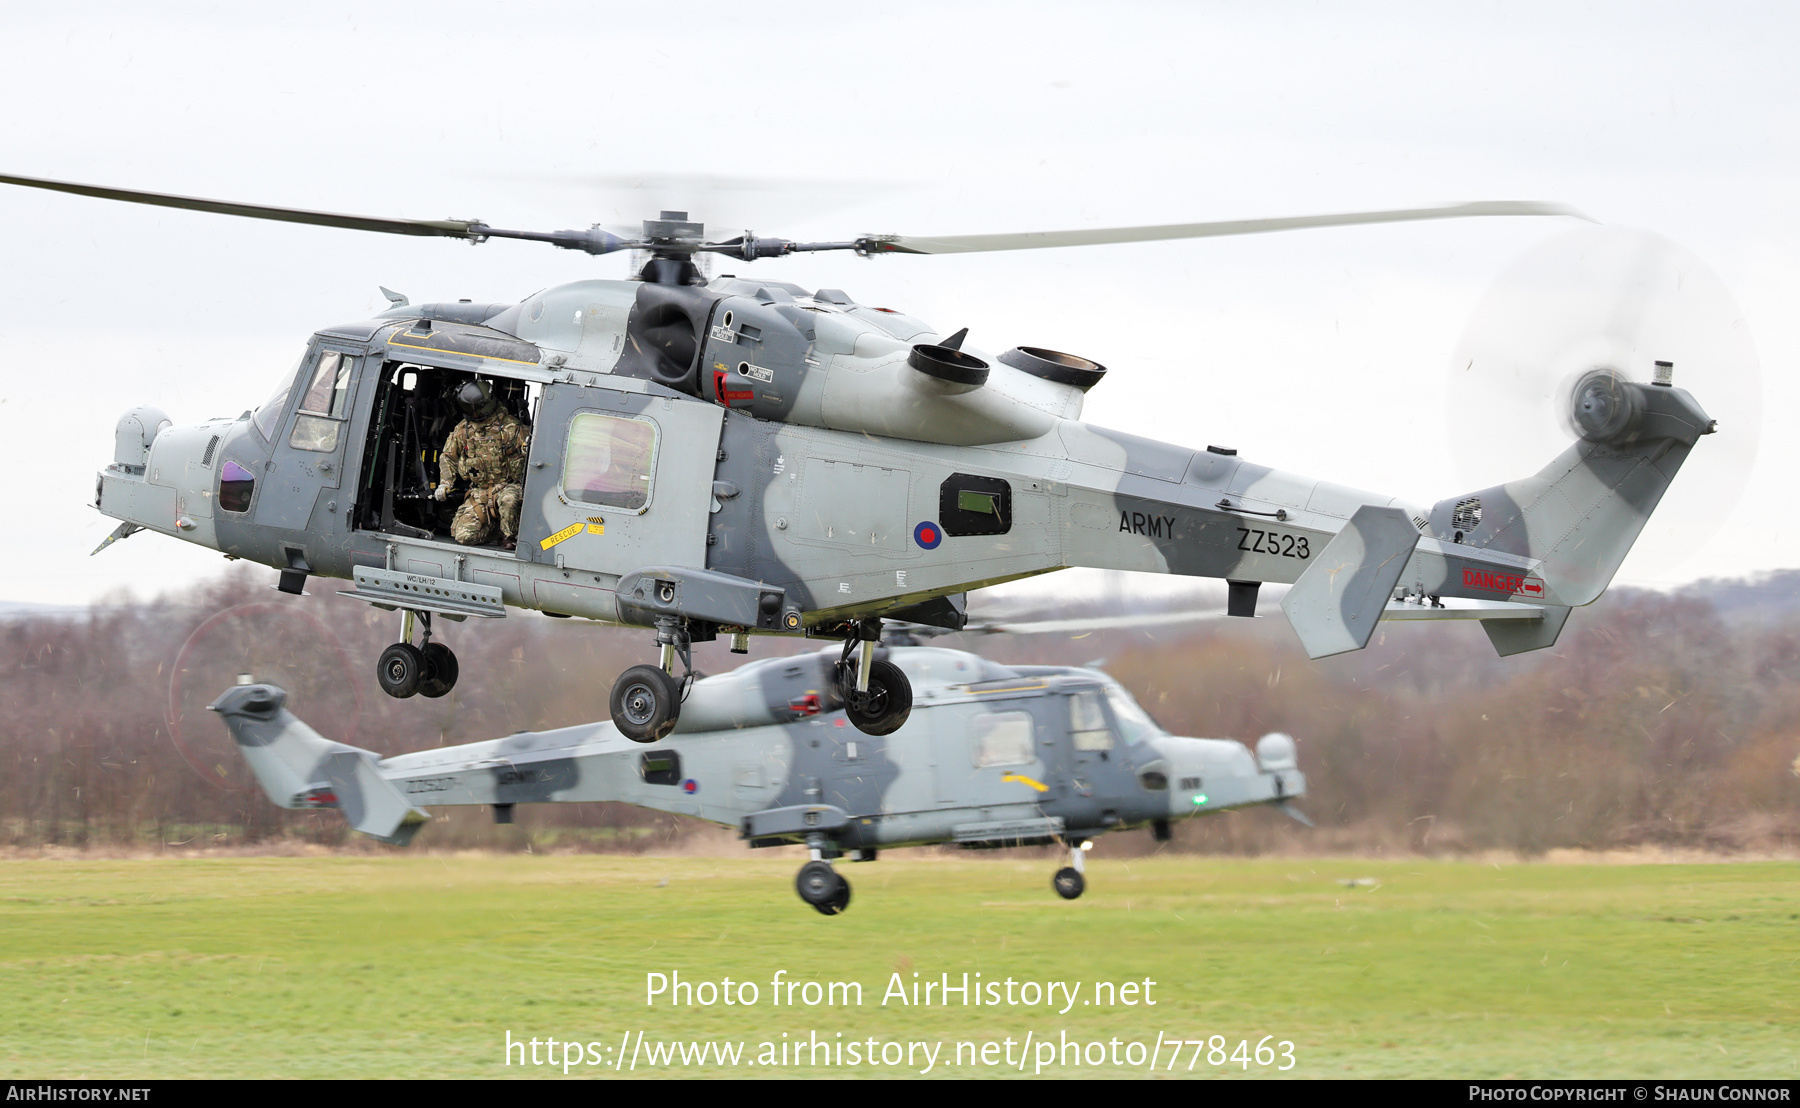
(487, 450)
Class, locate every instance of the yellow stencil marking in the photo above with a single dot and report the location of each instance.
(568, 532)
(1024, 780)
(1011, 688)
(395, 341)
(596, 528)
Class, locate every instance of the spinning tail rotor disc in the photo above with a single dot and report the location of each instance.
(295, 651)
(1615, 299)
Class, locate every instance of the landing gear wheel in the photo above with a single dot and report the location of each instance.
(823, 888)
(839, 902)
(1068, 883)
(885, 707)
(646, 703)
(400, 670)
(440, 667)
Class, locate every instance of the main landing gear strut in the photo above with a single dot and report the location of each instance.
(822, 886)
(404, 669)
(877, 696)
(646, 700)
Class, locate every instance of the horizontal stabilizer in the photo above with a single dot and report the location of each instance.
(1336, 603)
(369, 801)
(1464, 609)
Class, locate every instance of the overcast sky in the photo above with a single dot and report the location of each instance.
(1323, 352)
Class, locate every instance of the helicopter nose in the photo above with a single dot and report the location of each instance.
(163, 476)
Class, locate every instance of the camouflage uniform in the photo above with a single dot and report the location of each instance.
(490, 455)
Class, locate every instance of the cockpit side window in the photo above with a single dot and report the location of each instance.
(324, 406)
(1087, 723)
(1135, 724)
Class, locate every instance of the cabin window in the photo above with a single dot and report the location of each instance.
(972, 505)
(660, 767)
(1087, 723)
(609, 460)
(324, 405)
(1003, 739)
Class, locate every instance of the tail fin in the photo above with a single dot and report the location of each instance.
(1577, 518)
(298, 768)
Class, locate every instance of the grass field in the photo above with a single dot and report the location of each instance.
(418, 965)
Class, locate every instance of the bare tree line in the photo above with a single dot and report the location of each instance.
(1656, 719)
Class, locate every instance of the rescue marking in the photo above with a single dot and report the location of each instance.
(1272, 542)
(928, 535)
(1509, 583)
(1024, 780)
(568, 532)
(1156, 527)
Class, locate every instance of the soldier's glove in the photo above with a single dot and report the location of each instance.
(441, 491)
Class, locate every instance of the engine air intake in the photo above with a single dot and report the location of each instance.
(1054, 365)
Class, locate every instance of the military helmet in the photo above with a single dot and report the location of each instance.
(476, 399)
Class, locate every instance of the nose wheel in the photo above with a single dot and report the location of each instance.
(1069, 881)
(405, 670)
(823, 887)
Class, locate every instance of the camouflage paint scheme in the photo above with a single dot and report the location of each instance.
(755, 753)
(798, 449)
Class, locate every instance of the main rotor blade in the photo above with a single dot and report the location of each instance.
(442, 228)
(1035, 240)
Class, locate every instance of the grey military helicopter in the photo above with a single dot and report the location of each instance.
(746, 457)
(991, 756)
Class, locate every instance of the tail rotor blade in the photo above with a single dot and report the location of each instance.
(1618, 299)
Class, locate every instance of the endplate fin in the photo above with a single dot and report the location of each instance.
(1336, 603)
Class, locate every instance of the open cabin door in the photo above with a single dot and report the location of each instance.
(618, 481)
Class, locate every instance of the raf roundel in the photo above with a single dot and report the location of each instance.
(690, 786)
(928, 535)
